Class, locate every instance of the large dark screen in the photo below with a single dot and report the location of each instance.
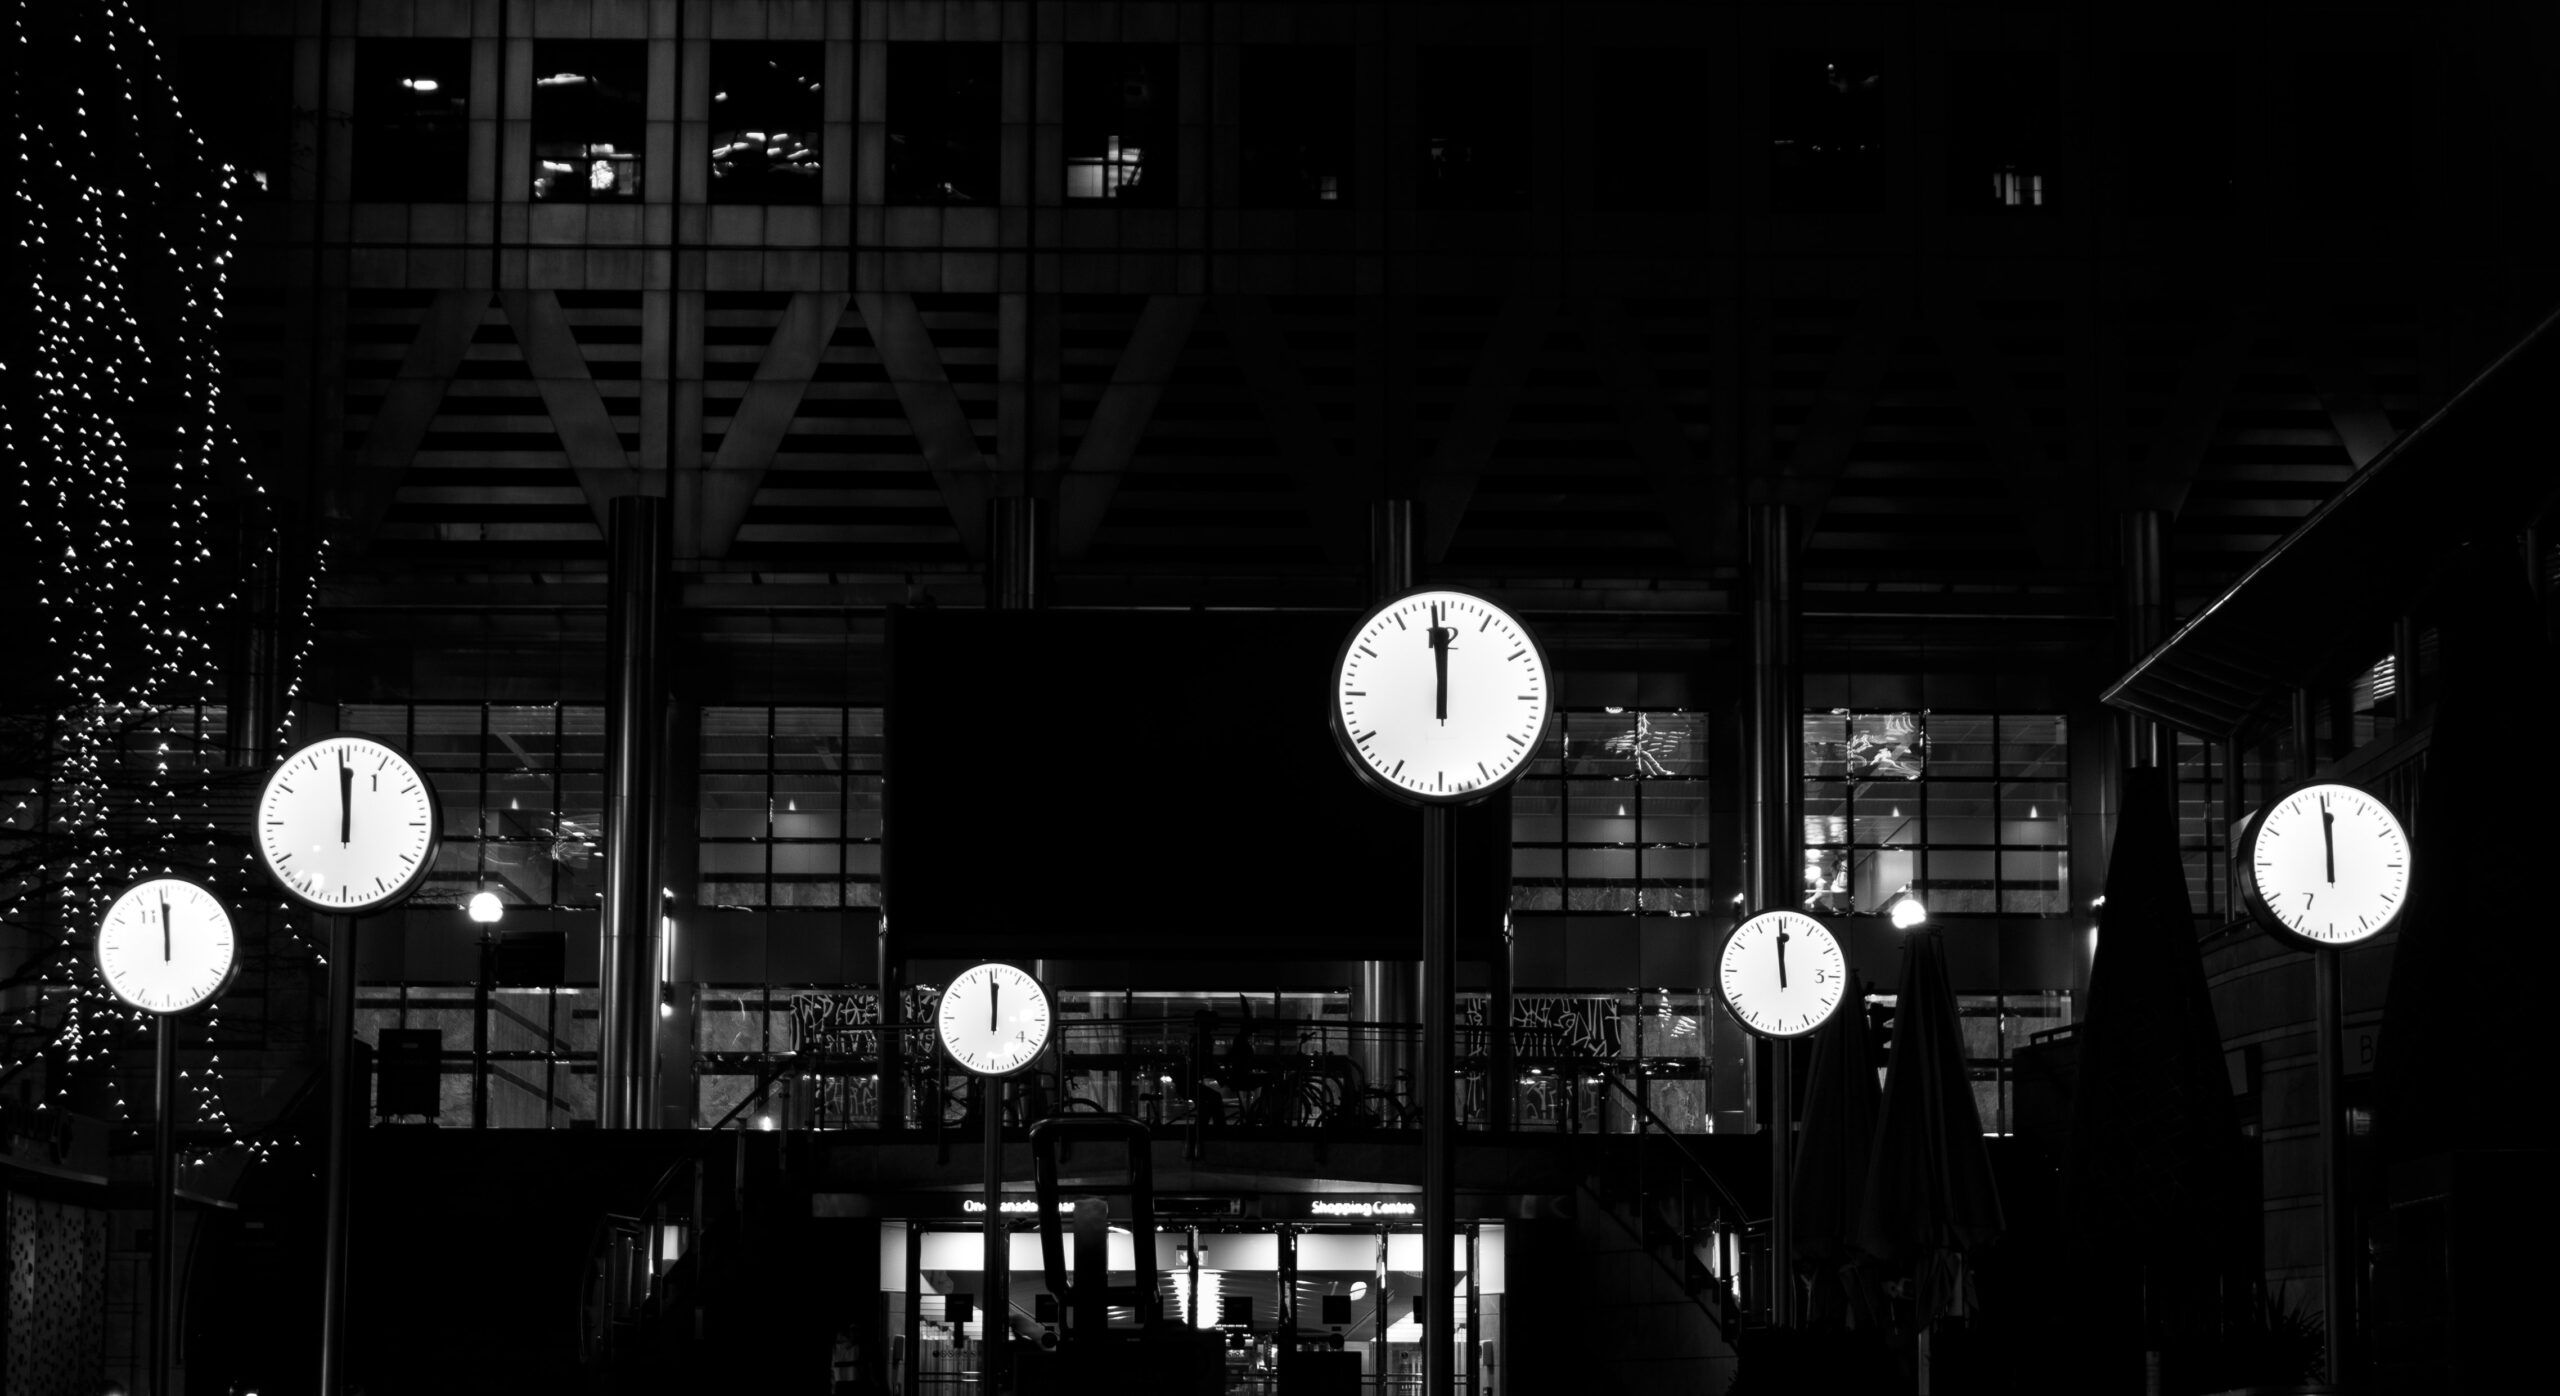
(1130, 783)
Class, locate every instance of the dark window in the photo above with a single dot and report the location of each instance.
(1828, 118)
(1648, 145)
(1294, 126)
(1611, 816)
(238, 95)
(2177, 134)
(1123, 124)
(590, 113)
(768, 118)
(412, 141)
(1475, 127)
(1968, 812)
(2003, 113)
(523, 794)
(2353, 145)
(943, 107)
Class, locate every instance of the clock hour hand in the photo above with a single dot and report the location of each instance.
(164, 931)
(1782, 959)
(346, 802)
(2328, 838)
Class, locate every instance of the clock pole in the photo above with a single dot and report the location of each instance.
(164, 1196)
(1439, 1172)
(995, 1317)
(333, 1243)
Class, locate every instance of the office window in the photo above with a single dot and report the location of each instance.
(538, 1072)
(2203, 828)
(1611, 816)
(1648, 143)
(238, 96)
(1474, 110)
(1994, 1027)
(412, 139)
(2004, 115)
(1969, 812)
(590, 116)
(1123, 124)
(943, 110)
(2178, 134)
(768, 118)
(790, 807)
(522, 794)
(1294, 121)
(1830, 118)
(2354, 133)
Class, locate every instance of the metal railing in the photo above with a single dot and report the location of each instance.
(1693, 1225)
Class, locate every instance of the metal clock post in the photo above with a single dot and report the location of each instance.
(199, 956)
(2324, 865)
(1018, 1014)
(346, 825)
(1754, 985)
(1439, 698)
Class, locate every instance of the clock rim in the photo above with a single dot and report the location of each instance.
(230, 972)
(2245, 863)
(942, 1046)
(426, 862)
(1736, 1014)
(1343, 743)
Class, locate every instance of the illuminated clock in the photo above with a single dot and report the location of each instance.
(993, 1019)
(1440, 697)
(1782, 974)
(166, 945)
(346, 824)
(2325, 864)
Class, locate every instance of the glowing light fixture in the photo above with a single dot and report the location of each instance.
(1906, 910)
(486, 908)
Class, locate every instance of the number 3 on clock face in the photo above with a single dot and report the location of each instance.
(1440, 697)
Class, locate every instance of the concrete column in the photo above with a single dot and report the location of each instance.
(2144, 604)
(1777, 834)
(1390, 990)
(635, 777)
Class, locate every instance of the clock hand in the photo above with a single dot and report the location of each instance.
(2328, 841)
(1782, 959)
(346, 803)
(1438, 636)
(995, 987)
(164, 930)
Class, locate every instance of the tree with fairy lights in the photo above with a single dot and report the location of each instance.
(111, 413)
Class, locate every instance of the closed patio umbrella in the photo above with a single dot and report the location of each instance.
(2151, 1178)
(1929, 1197)
(1840, 1105)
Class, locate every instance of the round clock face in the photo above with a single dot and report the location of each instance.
(346, 824)
(993, 1020)
(1440, 697)
(1782, 974)
(166, 945)
(2326, 862)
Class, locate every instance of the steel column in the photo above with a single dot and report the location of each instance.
(1439, 1129)
(1777, 836)
(635, 739)
(333, 1184)
(2144, 604)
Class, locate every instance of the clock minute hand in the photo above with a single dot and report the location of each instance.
(165, 956)
(1782, 959)
(2328, 838)
(995, 988)
(346, 803)
(1439, 636)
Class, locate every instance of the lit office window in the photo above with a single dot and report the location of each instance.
(1294, 122)
(1969, 811)
(590, 114)
(1123, 124)
(1829, 118)
(790, 807)
(1648, 143)
(1611, 816)
(1474, 117)
(412, 137)
(2004, 115)
(943, 105)
(522, 794)
(238, 96)
(768, 119)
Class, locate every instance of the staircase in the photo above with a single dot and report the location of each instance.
(1671, 1204)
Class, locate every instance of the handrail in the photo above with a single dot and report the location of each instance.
(1647, 1120)
(755, 1092)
